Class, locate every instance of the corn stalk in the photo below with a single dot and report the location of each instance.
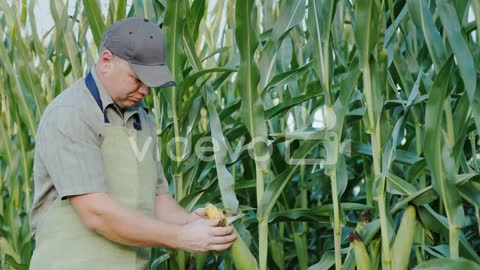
(252, 71)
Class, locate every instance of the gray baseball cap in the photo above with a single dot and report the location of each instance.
(142, 44)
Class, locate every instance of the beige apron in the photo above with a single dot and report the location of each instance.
(63, 242)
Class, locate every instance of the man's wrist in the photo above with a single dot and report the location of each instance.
(188, 216)
(178, 242)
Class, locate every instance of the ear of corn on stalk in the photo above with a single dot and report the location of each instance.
(402, 246)
(364, 219)
(361, 255)
(239, 251)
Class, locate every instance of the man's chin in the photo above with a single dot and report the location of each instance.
(127, 104)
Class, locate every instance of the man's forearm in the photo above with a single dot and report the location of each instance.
(124, 225)
(168, 210)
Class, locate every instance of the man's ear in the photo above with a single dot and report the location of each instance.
(106, 59)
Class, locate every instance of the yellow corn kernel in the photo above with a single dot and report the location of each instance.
(213, 213)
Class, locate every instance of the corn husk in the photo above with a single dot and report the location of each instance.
(402, 246)
(239, 251)
(361, 255)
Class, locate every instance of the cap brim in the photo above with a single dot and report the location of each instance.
(154, 76)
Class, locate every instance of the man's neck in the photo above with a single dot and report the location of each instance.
(100, 77)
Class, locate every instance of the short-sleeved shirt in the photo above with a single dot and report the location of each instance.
(68, 160)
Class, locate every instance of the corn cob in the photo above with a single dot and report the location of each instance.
(213, 213)
(361, 255)
(239, 251)
(402, 246)
(241, 255)
(365, 218)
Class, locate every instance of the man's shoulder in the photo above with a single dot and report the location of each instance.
(74, 96)
(73, 104)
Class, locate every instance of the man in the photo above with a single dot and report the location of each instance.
(101, 197)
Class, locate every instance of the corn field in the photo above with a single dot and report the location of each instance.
(335, 134)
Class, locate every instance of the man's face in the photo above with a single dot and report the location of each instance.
(122, 84)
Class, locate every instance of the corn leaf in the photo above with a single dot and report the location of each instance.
(95, 19)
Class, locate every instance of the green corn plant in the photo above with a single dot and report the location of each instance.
(262, 78)
(367, 19)
(252, 112)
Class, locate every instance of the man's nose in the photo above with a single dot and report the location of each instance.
(144, 89)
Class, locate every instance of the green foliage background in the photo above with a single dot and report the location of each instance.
(393, 81)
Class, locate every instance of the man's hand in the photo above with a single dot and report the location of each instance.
(202, 235)
(197, 214)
